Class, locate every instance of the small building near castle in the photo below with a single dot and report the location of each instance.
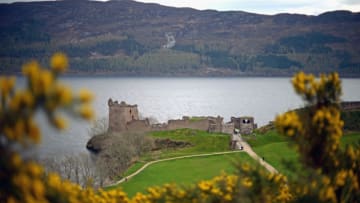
(245, 124)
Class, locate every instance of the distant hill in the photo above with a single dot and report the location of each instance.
(125, 37)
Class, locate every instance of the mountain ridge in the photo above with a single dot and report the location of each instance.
(130, 38)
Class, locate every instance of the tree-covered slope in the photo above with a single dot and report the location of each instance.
(132, 38)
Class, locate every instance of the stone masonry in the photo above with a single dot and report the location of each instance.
(120, 114)
(245, 124)
(125, 117)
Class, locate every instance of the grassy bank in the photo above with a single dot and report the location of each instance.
(278, 151)
(201, 141)
(184, 171)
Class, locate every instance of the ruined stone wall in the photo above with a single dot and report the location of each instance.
(228, 128)
(176, 124)
(159, 127)
(197, 125)
(138, 126)
(215, 124)
(125, 117)
(236, 122)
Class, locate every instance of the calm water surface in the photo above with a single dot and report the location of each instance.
(171, 98)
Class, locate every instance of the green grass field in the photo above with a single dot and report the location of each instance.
(278, 152)
(350, 138)
(270, 145)
(203, 142)
(183, 171)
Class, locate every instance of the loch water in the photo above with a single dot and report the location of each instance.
(172, 98)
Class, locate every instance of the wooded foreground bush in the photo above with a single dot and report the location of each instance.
(334, 173)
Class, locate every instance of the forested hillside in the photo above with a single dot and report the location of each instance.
(136, 39)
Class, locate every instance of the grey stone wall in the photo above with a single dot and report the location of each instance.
(228, 128)
(186, 123)
(125, 117)
(138, 126)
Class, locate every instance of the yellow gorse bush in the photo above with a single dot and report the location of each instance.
(316, 130)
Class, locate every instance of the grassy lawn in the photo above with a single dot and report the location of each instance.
(202, 142)
(277, 151)
(350, 138)
(183, 171)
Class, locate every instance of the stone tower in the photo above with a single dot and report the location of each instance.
(120, 115)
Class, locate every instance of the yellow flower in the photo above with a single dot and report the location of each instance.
(85, 95)
(313, 184)
(19, 129)
(228, 197)
(60, 123)
(6, 85)
(38, 188)
(247, 182)
(59, 62)
(350, 152)
(340, 178)
(245, 167)
(181, 194)
(86, 112)
(216, 191)
(9, 132)
(54, 180)
(154, 193)
(45, 81)
(11, 200)
(326, 180)
(27, 98)
(327, 194)
(34, 169)
(16, 160)
(64, 94)
(22, 181)
(204, 185)
(31, 68)
(34, 132)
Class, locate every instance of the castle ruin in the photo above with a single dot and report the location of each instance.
(125, 118)
(120, 114)
(245, 124)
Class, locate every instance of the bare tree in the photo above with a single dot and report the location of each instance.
(99, 127)
(121, 152)
(76, 168)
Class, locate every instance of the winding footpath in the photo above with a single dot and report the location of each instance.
(241, 143)
(169, 159)
(262, 162)
(247, 148)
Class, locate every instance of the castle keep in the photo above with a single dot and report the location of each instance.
(120, 114)
(125, 118)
